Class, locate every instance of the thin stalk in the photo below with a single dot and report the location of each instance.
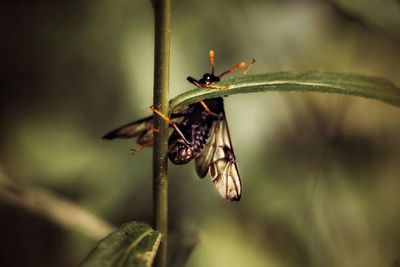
(162, 11)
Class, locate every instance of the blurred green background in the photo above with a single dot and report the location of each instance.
(320, 173)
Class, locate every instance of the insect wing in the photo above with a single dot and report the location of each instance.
(223, 170)
(137, 128)
(218, 157)
(204, 160)
(225, 176)
(142, 128)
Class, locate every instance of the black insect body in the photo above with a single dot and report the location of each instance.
(200, 132)
(195, 128)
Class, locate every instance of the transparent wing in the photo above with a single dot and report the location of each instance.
(142, 128)
(133, 129)
(205, 158)
(218, 157)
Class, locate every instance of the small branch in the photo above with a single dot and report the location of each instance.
(53, 207)
(162, 14)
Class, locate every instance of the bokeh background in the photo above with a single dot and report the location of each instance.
(320, 173)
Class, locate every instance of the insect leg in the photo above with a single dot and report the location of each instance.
(248, 67)
(170, 122)
(207, 109)
(141, 147)
(144, 140)
(213, 86)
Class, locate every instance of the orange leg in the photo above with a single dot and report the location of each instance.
(207, 109)
(213, 86)
(204, 104)
(140, 148)
(162, 115)
(143, 143)
(170, 122)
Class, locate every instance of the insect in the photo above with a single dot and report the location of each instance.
(198, 131)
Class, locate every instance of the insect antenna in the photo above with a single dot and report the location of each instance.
(212, 61)
(234, 68)
(248, 68)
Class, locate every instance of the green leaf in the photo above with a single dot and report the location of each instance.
(308, 81)
(132, 244)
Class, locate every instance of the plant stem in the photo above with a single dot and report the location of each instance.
(162, 11)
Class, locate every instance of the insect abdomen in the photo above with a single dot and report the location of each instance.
(180, 152)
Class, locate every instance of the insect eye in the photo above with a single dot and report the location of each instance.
(207, 78)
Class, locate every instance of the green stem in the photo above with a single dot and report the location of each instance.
(162, 11)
